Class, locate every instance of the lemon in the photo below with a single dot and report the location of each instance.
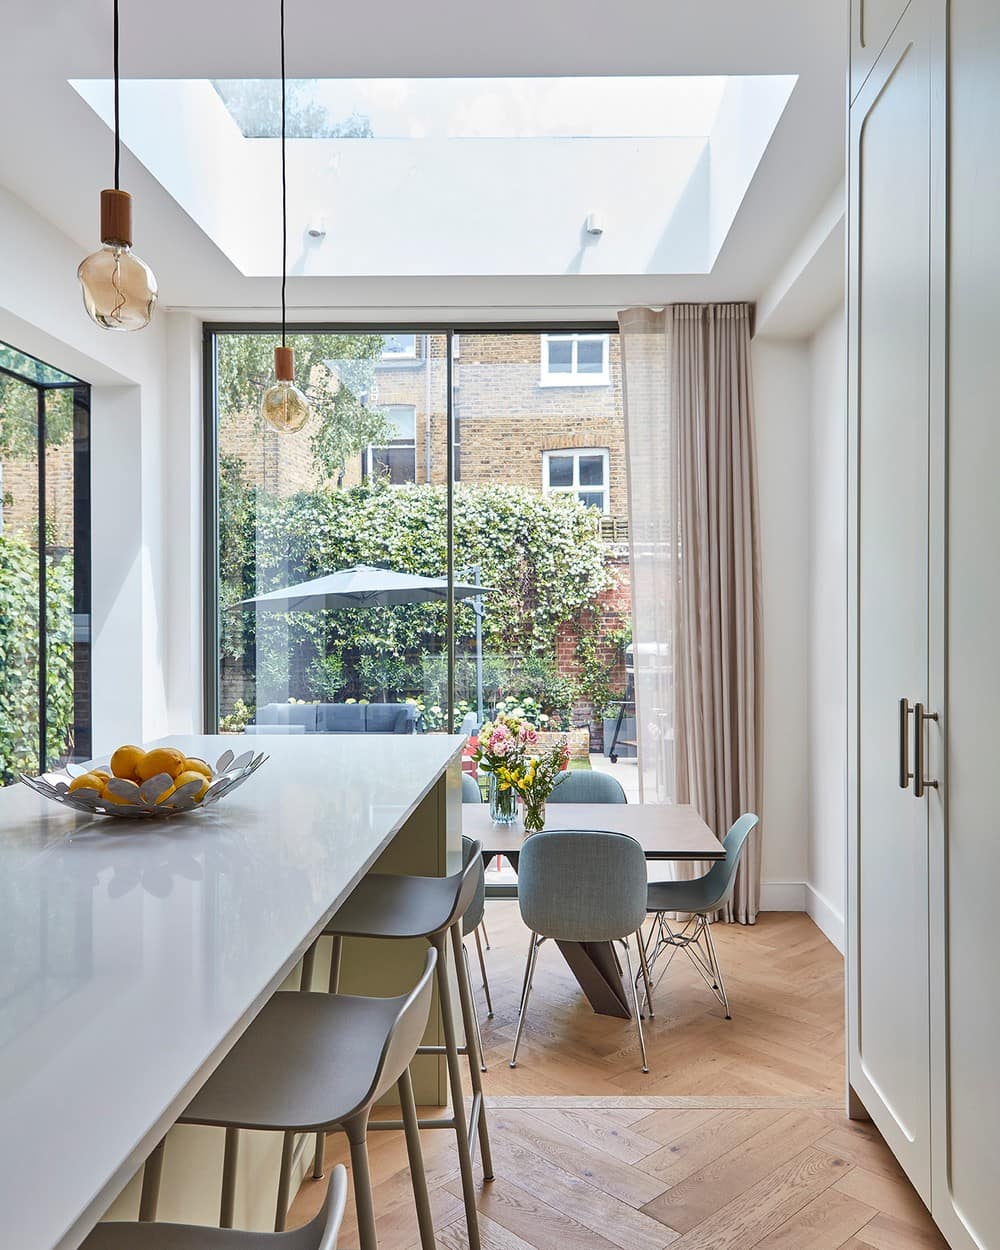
(194, 765)
(125, 762)
(160, 760)
(192, 775)
(88, 781)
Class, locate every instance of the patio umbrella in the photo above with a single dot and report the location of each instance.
(365, 586)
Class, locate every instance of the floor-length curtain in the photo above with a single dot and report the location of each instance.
(696, 565)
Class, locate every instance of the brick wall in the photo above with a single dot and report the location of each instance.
(19, 482)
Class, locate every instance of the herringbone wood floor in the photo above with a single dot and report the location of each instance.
(736, 1140)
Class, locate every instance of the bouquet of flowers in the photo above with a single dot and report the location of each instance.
(503, 744)
(534, 778)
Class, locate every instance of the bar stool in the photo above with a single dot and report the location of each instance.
(388, 906)
(313, 1063)
(319, 1234)
(472, 922)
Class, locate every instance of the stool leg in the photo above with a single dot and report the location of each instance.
(151, 1173)
(471, 1027)
(475, 1015)
(308, 963)
(335, 953)
(319, 1156)
(482, 968)
(357, 1135)
(227, 1206)
(457, 1097)
(418, 1178)
(284, 1181)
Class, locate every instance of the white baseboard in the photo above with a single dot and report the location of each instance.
(782, 896)
(825, 916)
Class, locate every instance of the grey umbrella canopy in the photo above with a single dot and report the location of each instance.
(361, 587)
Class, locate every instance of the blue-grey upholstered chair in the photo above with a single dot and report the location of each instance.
(581, 885)
(582, 785)
(471, 792)
(697, 898)
(472, 922)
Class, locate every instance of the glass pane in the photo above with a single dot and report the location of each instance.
(591, 470)
(295, 507)
(29, 369)
(560, 471)
(592, 498)
(560, 356)
(19, 580)
(590, 356)
(399, 345)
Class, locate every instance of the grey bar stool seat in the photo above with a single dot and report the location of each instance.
(316, 1063)
(697, 899)
(384, 905)
(319, 1234)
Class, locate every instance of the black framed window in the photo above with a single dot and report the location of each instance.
(45, 566)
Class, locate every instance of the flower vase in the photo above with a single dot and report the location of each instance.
(503, 803)
(534, 815)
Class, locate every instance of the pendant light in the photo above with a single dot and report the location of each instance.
(283, 405)
(119, 290)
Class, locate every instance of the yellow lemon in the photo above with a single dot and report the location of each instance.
(88, 781)
(194, 765)
(125, 762)
(160, 760)
(192, 775)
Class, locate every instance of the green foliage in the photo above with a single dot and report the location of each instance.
(598, 661)
(255, 103)
(540, 553)
(19, 658)
(238, 718)
(337, 374)
(19, 418)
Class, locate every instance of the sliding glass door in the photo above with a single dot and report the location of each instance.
(490, 459)
(44, 566)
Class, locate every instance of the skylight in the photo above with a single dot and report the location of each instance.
(449, 177)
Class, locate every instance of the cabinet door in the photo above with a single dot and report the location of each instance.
(889, 323)
(872, 22)
(966, 851)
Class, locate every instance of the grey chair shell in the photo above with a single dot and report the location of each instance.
(713, 890)
(581, 785)
(320, 1233)
(471, 792)
(582, 885)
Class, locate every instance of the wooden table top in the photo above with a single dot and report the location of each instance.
(664, 830)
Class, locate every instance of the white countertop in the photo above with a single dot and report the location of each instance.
(134, 953)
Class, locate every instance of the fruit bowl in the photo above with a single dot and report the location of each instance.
(156, 797)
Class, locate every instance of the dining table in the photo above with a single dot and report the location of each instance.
(671, 832)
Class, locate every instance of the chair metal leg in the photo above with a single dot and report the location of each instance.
(230, 1158)
(486, 936)
(357, 1135)
(335, 955)
(457, 1095)
(151, 1174)
(529, 974)
(723, 996)
(475, 1016)
(527, 967)
(308, 964)
(418, 1178)
(319, 1156)
(482, 968)
(635, 1002)
(284, 1181)
(470, 1026)
(644, 965)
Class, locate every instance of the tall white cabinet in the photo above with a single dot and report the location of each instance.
(924, 598)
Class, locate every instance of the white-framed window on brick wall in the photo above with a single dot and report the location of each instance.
(397, 459)
(575, 360)
(579, 471)
(399, 347)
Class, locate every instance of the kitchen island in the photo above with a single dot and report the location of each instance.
(133, 954)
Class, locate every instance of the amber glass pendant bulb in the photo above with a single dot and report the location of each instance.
(119, 290)
(283, 405)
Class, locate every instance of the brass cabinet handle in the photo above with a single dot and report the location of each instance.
(919, 781)
(905, 776)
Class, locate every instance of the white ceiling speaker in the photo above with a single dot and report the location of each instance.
(594, 224)
(316, 228)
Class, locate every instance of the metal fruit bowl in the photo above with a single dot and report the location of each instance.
(138, 801)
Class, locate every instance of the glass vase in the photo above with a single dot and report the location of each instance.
(503, 803)
(534, 815)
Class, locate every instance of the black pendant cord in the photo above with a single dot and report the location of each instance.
(118, 142)
(284, 190)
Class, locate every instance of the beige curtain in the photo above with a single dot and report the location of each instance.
(696, 566)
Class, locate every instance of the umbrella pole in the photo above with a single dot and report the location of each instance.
(478, 608)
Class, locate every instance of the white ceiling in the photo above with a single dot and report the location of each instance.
(55, 152)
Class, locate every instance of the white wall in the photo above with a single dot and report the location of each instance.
(827, 710)
(781, 393)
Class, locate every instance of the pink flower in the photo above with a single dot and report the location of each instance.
(500, 741)
(527, 734)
